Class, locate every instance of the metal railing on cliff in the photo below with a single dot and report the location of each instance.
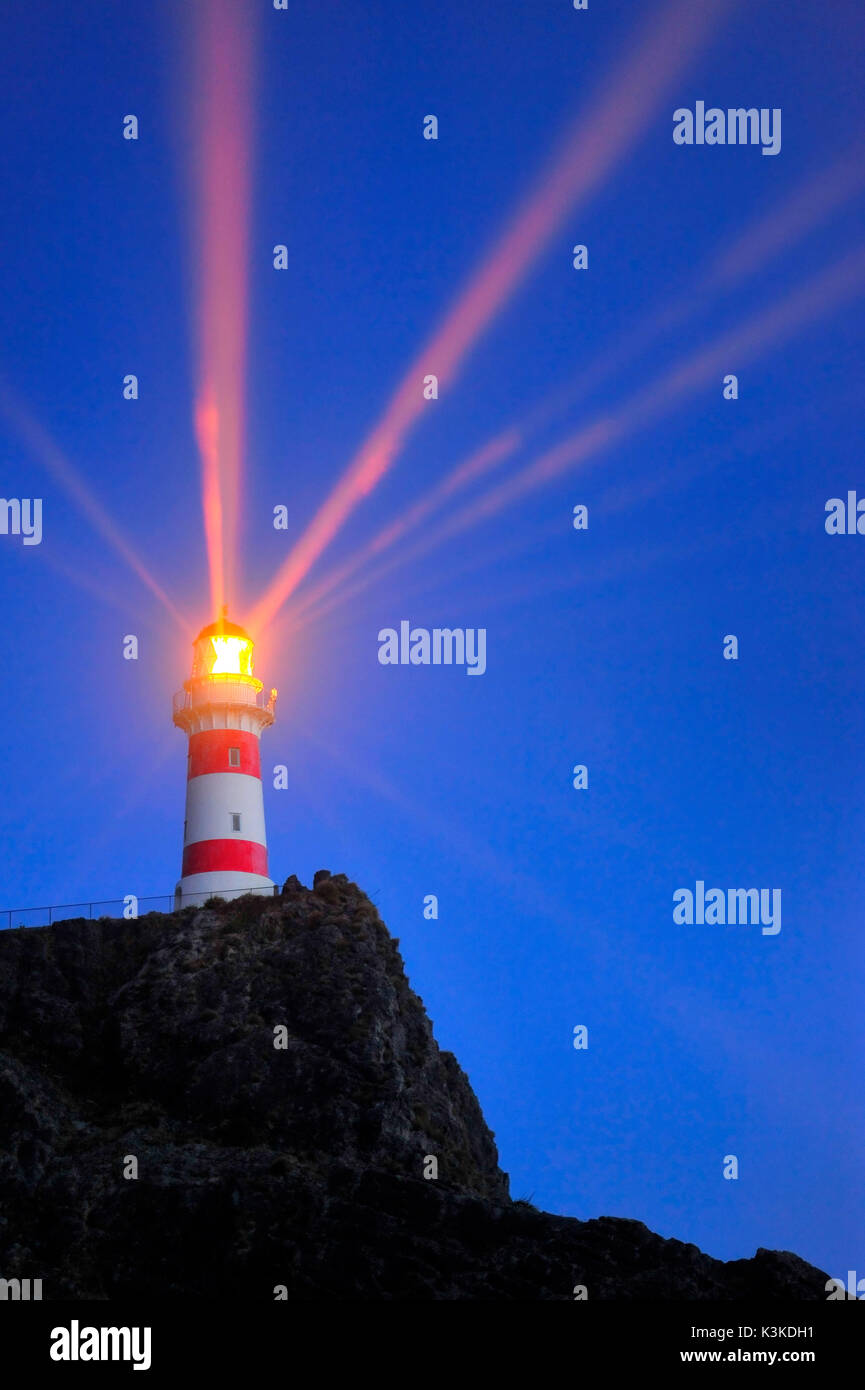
(46, 916)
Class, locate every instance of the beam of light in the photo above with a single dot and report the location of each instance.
(455, 836)
(591, 149)
(493, 557)
(615, 499)
(809, 205)
(141, 792)
(101, 590)
(530, 538)
(586, 442)
(543, 584)
(622, 495)
(482, 461)
(819, 295)
(766, 435)
(222, 145)
(42, 446)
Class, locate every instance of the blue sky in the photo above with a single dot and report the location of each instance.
(604, 647)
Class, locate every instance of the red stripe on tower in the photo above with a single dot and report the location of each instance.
(224, 750)
(244, 856)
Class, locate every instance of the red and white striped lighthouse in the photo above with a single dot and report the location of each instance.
(223, 709)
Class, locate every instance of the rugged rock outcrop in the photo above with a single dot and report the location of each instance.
(265, 1068)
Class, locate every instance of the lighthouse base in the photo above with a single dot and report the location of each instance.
(195, 889)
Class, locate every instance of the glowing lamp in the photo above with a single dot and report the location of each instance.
(223, 710)
(232, 656)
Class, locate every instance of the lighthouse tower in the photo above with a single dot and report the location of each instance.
(223, 709)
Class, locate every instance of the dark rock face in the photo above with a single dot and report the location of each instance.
(269, 1069)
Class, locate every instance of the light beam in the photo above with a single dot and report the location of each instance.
(40, 443)
(809, 205)
(590, 150)
(222, 155)
(818, 296)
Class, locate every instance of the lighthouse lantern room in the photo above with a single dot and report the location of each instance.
(223, 709)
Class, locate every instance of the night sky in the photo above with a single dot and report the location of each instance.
(605, 646)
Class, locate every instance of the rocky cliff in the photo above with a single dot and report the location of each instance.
(242, 1098)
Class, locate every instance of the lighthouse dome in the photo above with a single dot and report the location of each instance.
(222, 649)
(223, 628)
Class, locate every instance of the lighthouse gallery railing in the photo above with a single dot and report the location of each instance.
(229, 693)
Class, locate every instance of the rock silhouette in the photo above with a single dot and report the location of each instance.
(269, 1073)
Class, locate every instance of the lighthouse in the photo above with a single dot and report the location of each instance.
(223, 709)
